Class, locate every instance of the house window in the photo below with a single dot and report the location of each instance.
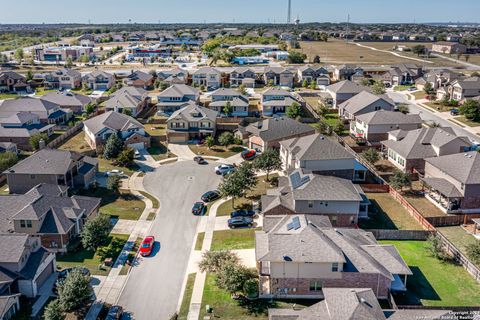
(335, 267)
(32, 176)
(334, 220)
(315, 286)
(26, 223)
(310, 204)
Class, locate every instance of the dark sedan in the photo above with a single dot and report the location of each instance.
(199, 209)
(238, 222)
(199, 160)
(114, 313)
(210, 196)
(242, 213)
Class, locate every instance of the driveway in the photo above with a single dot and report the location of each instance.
(182, 151)
(154, 286)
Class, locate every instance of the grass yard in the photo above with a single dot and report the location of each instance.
(92, 260)
(76, 143)
(402, 87)
(435, 283)
(467, 122)
(459, 237)
(123, 205)
(131, 256)
(42, 91)
(5, 96)
(216, 151)
(386, 213)
(156, 129)
(187, 296)
(423, 205)
(233, 239)
(159, 151)
(419, 95)
(199, 242)
(155, 203)
(105, 165)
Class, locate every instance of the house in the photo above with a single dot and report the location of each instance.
(320, 155)
(402, 74)
(176, 97)
(48, 112)
(374, 126)
(68, 100)
(464, 88)
(24, 268)
(278, 76)
(62, 53)
(99, 80)
(303, 192)
(223, 96)
(276, 100)
(98, 129)
(449, 47)
(173, 76)
(46, 211)
(300, 256)
(453, 182)
(316, 74)
(348, 72)
(268, 133)
(139, 79)
(8, 147)
(243, 76)
(57, 167)
(364, 102)
(437, 79)
(343, 90)
(208, 77)
(12, 82)
(191, 123)
(128, 99)
(18, 128)
(407, 150)
(63, 79)
(353, 304)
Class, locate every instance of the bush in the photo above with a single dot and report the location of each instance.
(35, 140)
(371, 155)
(212, 261)
(435, 247)
(95, 232)
(54, 311)
(7, 159)
(250, 288)
(113, 183)
(473, 252)
(232, 277)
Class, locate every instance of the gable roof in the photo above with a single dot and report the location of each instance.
(346, 86)
(179, 90)
(464, 167)
(27, 104)
(278, 128)
(12, 246)
(111, 120)
(194, 113)
(140, 75)
(127, 97)
(206, 70)
(389, 117)
(67, 98)
(362, 100)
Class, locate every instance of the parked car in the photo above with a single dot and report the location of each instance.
(137, 154)
(249, 155)
(199, 160)
(147, 245)
(454, 112)
(242, 213)
(210, 196)
(199, 209)
(224, 169)
(114, 313)
(240, 222)
(114, 172)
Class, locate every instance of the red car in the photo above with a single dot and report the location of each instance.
(248, 154)
(147, 246)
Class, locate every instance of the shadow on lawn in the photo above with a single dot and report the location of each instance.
(107, 196)
(378, 220)
(260, 306)
(418, 288)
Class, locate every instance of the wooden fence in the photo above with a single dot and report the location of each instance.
(445, 221)
(386, 234)
(65, 136)
(375, 188)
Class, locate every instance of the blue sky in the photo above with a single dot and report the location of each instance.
(113, 11)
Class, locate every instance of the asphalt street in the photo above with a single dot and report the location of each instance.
(155, 283)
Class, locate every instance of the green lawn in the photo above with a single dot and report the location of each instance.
(199, 242)
(4, 96)
(105, 165)
(402, 87)
(123, 204)
(187, 296)
(92, 260)
(42, 91)
(156, 129)
(158, 151)
(467, 122)
(233, 239)
(154, 200)
(435, 283)
(216, 151)
(459, 237)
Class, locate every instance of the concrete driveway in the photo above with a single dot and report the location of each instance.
(155, 283)
(182, 151)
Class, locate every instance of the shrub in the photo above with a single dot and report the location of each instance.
(212, 261)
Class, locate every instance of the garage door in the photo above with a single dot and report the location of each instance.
(177, 139)
(44, 275)
(137, 146)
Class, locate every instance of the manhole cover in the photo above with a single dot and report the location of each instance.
(190, 178)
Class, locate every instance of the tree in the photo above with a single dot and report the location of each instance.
(95, 232)
(127, 112)
(210, 141)
(294, 111)
(34, 140)
(54, 311)
(113, 183)
(419, 49)
(313, 85)
(305, 83)
(69, 62)
(268, 161)
(403, 108)
(316, 59)
(29, 75)
(125, 158)
(428, 88)
(238, 183)
(233, 276)
(473, 252)
(213, 261)
(228, 109)
(371, 155)
(19, 55)
(400, 179)
(270, 83)
(242, 89)
(250, 288)
(470, 109)
(89, 108)
(296, 57)
(7, 159)
(226, 139)
(113, 147)
(435, 246)
(74, 291)
(378, 87)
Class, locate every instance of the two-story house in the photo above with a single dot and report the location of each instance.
(191, 123)
(58, 167)
(47, 112)
(348, 72)
(139, 79)
(343, 90)
(208, 77)
(12, 82)
(98, 129)
(317, 74)
(276, 100)
(223, 96)
(63, 79)
(298, 256)
(177, 96)
(173, 76)
(278, 76)
(99, 80)
(68, 100)
(19, 127)
(132, 100)
(402, 74)
(464, 88)
(243, 76)
(364, 102)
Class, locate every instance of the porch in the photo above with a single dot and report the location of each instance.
(443, 194)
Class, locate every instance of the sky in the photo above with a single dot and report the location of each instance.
(211, 11)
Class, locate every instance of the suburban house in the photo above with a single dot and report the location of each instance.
(223, 96)
(47, 112)
(68, 100)
(208, 77)
(320, 155)
(300, 256)
(402, 74)
(243, 75)
(316, 74)
(453, 182)
(449, 47)
(24, 267)
(373, 127)
(348, 72)
(268, 133)
(128, 99)
(12, 82)
(173, 76)
(8, 147)
(278, 76)
(364, 102)
(58, 167)
(407, 150)
(437, 78)
(99, 80)
(276, 100)
(464, 88)
(177, 96)
(46, 211)
(191, 123)
(139, 79)
(344, 90)
(19, 127)
(63, 79)
(98, 129)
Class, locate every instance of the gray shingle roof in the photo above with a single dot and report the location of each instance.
(26, 104)
(389, 117)
(194, 113)
(362, 100)
(12, 246)
(66, 99)
(464, 167)
(346, 86)
(140, 75)
(127, 97)
(111, 120)
(179, 90)
(278, 128)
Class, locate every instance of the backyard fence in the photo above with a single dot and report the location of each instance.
(387, 234)
(65, 136)
(445, 221)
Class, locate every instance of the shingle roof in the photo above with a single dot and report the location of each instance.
(12, 246)
(111, 120)
(140, 75)
(66, 99)
(278, 128)
(346, 86)
(26, 104)
(389, 117)
(179, 90)
(127, 97)
(464, 167)
(194, 113)
(362, 100)
(275, 92)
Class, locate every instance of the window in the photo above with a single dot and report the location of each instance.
(310, 204)
(334, 220)
(335, 267)
(315, 286)
(32, 176)
(26, 223)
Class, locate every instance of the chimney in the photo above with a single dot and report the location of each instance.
(41, 144)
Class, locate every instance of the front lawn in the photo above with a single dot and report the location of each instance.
(233, 239)
(40, 91)
(5, 96)
(92, 260)
(105, 165)
(419, 95)
(158, 151)
(467, 122)
(76, 143)
(187, 297)
(216, 151)
(156, 129)
(402, 87)
(435, 283)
